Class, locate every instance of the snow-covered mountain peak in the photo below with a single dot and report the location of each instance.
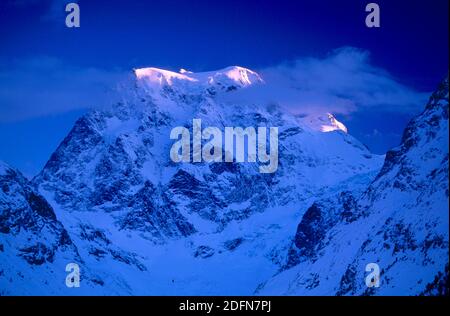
(111, 199)
(160, 76)
(239, 75)
(323, 123)
(226, 79)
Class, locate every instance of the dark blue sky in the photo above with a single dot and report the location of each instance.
(412, 45)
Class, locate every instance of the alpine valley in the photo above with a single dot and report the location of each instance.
(111, 200)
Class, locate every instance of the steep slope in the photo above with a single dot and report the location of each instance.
(146, 225)
(34, 246)
(400, 222)
(118, 159)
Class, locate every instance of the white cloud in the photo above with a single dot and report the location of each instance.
(43, 86)
(341, 83)
(344, 82)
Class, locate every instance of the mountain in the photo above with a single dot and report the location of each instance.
(144, 224)
(400, 222)
(33, 242)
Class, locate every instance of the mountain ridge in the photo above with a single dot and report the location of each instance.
(134, 215)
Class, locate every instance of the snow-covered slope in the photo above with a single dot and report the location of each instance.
(324, 123)
(117, 160)
(184, 222)
(143, 224)
(227, 79)
(34, 246)
(400, 222)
